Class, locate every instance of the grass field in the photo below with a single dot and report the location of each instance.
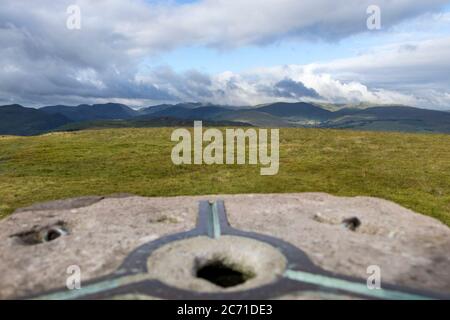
(410, 169)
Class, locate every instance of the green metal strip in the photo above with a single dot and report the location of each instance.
(94, 288)
(213, 222)
(216, 222)
(74, 294)
(349, 286)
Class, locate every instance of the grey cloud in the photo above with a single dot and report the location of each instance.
(233, 23)
(289, 88)
(188, 86)
(407, 47)
(42, 61)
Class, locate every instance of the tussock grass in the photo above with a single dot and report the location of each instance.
(410, 169)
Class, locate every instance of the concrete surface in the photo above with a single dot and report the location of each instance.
(411, 249)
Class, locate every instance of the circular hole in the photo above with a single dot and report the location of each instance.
(352, 223)
(223, 275)
(203, 264)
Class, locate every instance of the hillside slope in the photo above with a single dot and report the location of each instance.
(300, 110)
(405, 119)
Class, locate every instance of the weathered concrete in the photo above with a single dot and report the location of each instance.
(411, 249)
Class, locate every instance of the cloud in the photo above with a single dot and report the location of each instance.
(42, 62)
(413, 74)
(288, 88)
(233, 23)
(420, 69)
(264, 85)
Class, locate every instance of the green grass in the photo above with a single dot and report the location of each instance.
(410, 169)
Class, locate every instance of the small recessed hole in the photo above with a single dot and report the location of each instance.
(223, 275)
(39, 235)
(352, 223)
(53, 234)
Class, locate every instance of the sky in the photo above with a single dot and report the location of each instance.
(229, 52)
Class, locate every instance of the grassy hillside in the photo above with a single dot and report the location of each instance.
(410, 169)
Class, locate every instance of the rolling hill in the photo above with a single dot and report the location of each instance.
(108, 111)
(17, 120)
(283, 115)
(395, 118)
(142, 122)
(299, 110)
(201, 113)
(385, 118)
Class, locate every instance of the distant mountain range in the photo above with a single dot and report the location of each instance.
(84, 112)
(18, 120)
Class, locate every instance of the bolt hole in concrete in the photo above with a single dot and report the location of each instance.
(352, 223)
(223, 275)
(53, 234)
(39, 235)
